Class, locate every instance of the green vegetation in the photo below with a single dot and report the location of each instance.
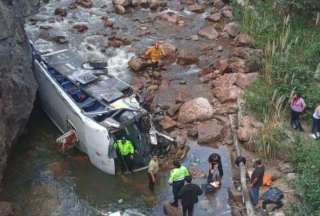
(306, 160)
(291, 45)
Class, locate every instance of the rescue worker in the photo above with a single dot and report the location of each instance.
(154, 54)
(153, 169)
(125, 149)
(176, 179)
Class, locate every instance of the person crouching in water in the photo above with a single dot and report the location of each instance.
(153, 169)
(214, 177)
(176, 179)
(155, 54)
(316, 123)
(297, 106)
(189, 196)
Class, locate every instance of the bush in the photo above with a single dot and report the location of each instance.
(306, 161)
(305, 6)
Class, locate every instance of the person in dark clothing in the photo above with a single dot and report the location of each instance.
(256, 181)
(189, 196)
(272, 196)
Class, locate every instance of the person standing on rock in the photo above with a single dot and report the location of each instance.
(256, 181)
(297, 106)
(153, 169)
(316, 123)
(155, 54)
(176, 179)
(189, 196)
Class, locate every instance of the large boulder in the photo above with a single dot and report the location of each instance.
(210, 131)
(233, 29)
(244, 80)
(137, 64)
(194, 110)
(248, 128)
(227, 94)
(209, 32)
(169, 49)
(17, 83)
(186, 57)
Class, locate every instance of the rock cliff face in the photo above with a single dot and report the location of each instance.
(17, 84)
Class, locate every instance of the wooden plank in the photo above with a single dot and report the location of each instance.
(234, 121)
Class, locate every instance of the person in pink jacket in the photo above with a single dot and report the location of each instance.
(297, 106)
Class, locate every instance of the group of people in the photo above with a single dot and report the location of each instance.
(181, 181)
(298, 106)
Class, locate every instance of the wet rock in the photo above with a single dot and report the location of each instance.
(60, 39)
(214, 17)
(170, 17)
(138, 83)
(244, 80)
(44, 34)
(209, 32)
(291, 176)
(194, 110)
(137, 64)
(244, 40)
(169, 210)
(107, 22)
(233, 29)
(117, 42)
(6, 209)
(60, 12)
(197, 8)
(169, 49)
(194, 37)
(152, 88)
(84, 3)
(227, 94)
(187, 57)
(120, 9)
(246, 52)
(80, 27)
(168, 123)
(209, 131)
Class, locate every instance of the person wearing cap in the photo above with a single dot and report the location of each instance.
(176, 179)
(125, 149)
(153, 169)
(155, 53)
(189, 196)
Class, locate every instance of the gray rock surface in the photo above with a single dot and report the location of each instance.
(17, 84)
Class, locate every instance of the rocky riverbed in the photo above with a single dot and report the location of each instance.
(208, 61)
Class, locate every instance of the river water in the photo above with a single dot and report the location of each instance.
(41, 181)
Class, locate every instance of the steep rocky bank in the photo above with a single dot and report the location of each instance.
(17, 84)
